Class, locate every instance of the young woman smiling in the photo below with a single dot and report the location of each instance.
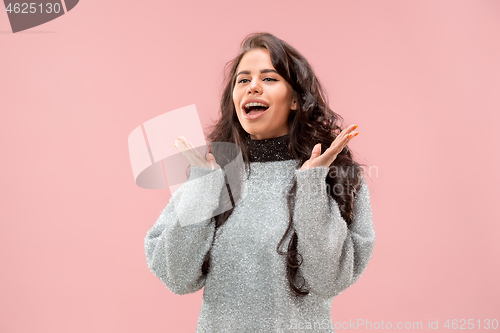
(302, 189)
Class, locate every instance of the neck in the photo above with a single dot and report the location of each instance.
(273, 134)
(269, 150)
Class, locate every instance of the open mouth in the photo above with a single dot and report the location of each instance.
(255, 108)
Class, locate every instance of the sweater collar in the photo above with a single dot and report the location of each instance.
(269, 150)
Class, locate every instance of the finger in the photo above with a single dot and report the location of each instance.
(339, 140)
(346, 131)
(190, 158)
(193, 150)
(316, 151)
(209, 157)
(183, 142)
(351, 135)
(191, 154)
(181, 146)
(215, 165)
(348, 139)
(338, 144)
(323, 159)
(186, 143)
(178, 145)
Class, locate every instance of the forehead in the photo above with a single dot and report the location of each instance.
(255, 59)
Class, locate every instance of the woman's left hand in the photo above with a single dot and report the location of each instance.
(326, 159)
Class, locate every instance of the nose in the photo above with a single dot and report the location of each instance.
(254, 88)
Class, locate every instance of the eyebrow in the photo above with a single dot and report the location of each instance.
(267, 70)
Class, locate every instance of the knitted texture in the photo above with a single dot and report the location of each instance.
(246, 288)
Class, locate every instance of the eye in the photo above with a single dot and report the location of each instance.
(267, 78)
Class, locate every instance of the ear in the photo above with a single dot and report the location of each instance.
(294, 105)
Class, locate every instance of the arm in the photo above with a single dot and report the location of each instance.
(334, 256)
(177, 244)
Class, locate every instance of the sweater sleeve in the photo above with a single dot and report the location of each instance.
(333, 255)
(176, 245)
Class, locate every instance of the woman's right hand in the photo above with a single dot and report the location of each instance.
(193, 156)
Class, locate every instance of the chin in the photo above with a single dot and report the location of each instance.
(253, 131)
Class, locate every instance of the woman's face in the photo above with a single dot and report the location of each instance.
(258, 82)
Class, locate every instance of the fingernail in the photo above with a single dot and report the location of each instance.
(349, 136)
(355, 127)
(356, 134)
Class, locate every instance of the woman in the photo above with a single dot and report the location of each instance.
(302, 190)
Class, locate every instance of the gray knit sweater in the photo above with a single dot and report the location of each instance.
(246, 288)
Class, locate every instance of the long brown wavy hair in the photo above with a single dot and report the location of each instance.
(312, 122)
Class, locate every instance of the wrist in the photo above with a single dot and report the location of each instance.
(312, 178)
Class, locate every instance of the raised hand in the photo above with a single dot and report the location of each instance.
(317, 159)
(193, 156)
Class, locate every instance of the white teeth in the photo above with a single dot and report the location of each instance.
(254, 104)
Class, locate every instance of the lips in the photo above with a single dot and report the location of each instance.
(253, 100)
(253, 115)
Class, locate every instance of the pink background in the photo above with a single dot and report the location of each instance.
(421, 78)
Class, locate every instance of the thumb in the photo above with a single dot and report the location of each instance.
(211, 160)
(316, 151)
(211, 157)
